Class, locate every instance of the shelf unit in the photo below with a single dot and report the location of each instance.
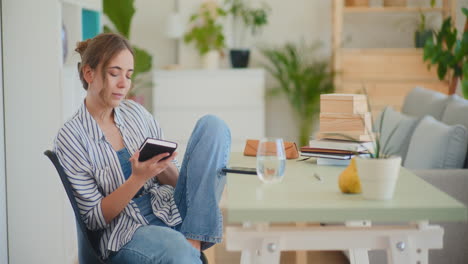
(81, 20)
(387, 73)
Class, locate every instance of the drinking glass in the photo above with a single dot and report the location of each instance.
(271, 160)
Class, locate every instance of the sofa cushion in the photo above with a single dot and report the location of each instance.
(397, 129)
(456, 112)
(435, 145)
(420, 102)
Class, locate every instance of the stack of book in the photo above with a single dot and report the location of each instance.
(345, 130)
(335, 152)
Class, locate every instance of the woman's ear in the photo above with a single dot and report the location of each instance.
(88, 74)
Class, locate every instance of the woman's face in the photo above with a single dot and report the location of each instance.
(115, 87)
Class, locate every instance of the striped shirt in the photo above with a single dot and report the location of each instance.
(94, 171)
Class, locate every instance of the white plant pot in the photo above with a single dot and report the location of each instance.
(210, 60)
(378, 177)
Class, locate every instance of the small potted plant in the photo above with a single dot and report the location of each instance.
(375, 173)
(302, 77)
(449, 52)
(422, 34)
(244, 19)
(207, 33)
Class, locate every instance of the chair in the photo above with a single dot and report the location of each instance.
(87, 240)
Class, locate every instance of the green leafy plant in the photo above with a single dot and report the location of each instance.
(302, 78)
(120, 13)
(206, 30)
(450, 54)
(246, 18)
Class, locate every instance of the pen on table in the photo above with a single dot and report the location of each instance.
(318, 177)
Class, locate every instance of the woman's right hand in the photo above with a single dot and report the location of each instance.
(143, 171)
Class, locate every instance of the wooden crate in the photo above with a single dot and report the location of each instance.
(343, 123)
(343, 103)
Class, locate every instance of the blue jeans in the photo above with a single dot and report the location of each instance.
(197, 194)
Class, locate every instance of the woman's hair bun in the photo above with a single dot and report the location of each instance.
(81, 46)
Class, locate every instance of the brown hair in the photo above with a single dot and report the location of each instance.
(99, 51)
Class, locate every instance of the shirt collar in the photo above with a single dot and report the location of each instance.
(91, 126)
(118, 116)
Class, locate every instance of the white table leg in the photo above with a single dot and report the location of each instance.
(360, 255)
(301, 256)
(248, 255)
(270, 251)
(402, 250)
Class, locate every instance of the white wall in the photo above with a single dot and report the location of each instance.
(3, 210)
(289, 21)
(32, 95)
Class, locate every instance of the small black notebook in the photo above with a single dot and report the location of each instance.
(152, 147)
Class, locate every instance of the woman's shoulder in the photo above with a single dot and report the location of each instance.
(72, 129)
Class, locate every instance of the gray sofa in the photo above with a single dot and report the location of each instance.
(449, 174)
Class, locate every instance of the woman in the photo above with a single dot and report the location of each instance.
(145, 212)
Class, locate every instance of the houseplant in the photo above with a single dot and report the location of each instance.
(377, 172)
(120, 13)
(207, 33)
(422, 33)
(302, 78)
(449, 52)
(244, 19)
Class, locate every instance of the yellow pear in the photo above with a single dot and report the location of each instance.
(349, 180)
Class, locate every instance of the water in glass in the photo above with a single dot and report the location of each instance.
(271, 160)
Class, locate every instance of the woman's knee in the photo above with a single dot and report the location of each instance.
(180, 251)
(213, 124)
(163, 245)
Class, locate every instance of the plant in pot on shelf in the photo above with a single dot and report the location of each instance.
(244, 19)
(422, 33)
(302, 77)
(207, 33)
(120, 13)
(449, 52)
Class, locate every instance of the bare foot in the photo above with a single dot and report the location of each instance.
(195, 243)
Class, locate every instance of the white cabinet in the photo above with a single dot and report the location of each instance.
(180, 98)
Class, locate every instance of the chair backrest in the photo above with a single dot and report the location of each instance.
(87, 240)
